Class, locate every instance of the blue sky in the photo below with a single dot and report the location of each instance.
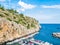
(45, 11)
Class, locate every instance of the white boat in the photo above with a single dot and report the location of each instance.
(29, 40)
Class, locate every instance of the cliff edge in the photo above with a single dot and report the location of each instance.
(14, 25)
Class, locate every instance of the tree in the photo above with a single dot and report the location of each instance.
(28, 26)
(2, 7)
(12, 11)
(21, 15)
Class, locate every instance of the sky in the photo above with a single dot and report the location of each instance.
(45, 11)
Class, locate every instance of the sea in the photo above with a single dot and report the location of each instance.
(46, 31)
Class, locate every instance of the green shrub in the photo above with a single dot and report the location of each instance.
(6, 14)
(21, 15)
(28, 26)
(12, 11)
(16, 22)
(1, 7)
(14, 17)
(32, 25)
(9, 19)
(1, 15)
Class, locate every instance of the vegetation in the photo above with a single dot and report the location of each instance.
(28, 26)
(1, 7)
(9, 19)
(13, 15)
(1, 15)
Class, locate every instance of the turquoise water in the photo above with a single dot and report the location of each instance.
(45, 34)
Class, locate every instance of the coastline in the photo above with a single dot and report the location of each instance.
(56, 34)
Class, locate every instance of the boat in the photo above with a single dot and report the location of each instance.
(29, 40)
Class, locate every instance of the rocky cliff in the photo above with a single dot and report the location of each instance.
(14, 25)
(57, 34)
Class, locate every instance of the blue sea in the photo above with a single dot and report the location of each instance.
(45, 33)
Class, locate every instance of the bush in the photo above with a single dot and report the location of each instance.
(6, 14)
(1, 7)
(16, 22)
(32, 25)
(28, 26)
(9, 19)
(1, 15)
(21, 15)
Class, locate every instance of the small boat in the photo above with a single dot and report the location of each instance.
(29, 40)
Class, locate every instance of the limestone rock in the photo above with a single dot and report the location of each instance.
(10, 30)
(56, 34)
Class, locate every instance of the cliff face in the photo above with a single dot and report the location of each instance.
(14, 25)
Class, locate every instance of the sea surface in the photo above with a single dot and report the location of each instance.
(45, 33)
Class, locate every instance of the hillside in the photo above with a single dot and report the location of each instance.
(13, 15)
(15, 25)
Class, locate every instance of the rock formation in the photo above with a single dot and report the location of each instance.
(14, 25)
(56, 34)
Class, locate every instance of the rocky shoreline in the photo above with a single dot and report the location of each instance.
(57, 34)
